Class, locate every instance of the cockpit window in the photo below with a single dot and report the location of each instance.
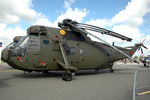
(10, 45)
(22, 42)
(19, 49)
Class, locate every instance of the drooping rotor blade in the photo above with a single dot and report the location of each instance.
(103, 31)
(83, 31)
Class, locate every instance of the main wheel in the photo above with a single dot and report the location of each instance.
(45, 72)
(97, 70)
(112, 70)
(67, 77)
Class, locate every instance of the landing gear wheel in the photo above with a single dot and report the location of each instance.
(67, 77)
(97, 70)
(112, 70)
(29, 71)
(45, 72)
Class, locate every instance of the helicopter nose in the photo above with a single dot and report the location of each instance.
(6, 57)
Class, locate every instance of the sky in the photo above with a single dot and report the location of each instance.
(127, 17)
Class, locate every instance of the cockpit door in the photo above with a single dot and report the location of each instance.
(33, 49)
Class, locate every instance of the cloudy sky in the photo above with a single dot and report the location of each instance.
(128, 17)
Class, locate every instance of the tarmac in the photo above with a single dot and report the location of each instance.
(86, 85)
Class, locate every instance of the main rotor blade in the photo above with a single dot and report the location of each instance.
(83, 31)
(103, 31)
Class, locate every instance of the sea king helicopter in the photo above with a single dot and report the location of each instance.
(67, 48)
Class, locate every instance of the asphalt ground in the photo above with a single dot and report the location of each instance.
(86, 85)
(143, 85)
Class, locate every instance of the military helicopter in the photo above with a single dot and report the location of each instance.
(67, 48)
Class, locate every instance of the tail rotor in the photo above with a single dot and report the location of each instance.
(142, 45)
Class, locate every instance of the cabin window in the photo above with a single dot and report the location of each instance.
(81, 52)
(72, 50)
(46, 42)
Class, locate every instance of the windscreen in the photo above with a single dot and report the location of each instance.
(20, 48)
